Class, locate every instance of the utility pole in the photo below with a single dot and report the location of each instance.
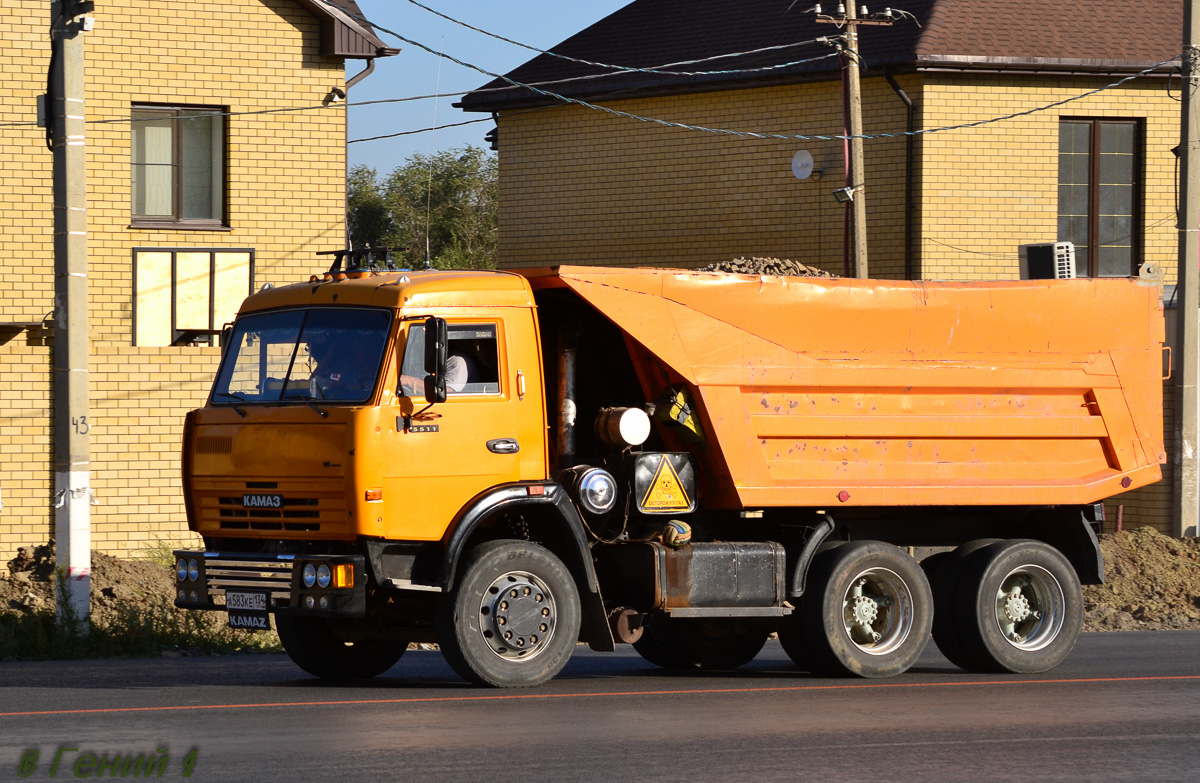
(847, 16)
(858, 204)
(1186, 497)
(72, 468)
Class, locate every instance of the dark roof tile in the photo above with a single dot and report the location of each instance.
(1099, 35)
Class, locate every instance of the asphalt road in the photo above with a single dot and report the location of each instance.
(1125, 706)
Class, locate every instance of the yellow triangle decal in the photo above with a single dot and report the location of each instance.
(666, 492)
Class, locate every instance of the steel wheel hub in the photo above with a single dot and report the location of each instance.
(517, 615)
(1030, 607)
(878, 611)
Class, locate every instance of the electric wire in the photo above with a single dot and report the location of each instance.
(624, 68)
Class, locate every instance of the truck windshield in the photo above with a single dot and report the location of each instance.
(303, 355)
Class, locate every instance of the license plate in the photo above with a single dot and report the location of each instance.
(248, 611)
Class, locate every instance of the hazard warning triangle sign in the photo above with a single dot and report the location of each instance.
(666, 492)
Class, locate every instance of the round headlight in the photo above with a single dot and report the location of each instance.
(310, 575)
(194, 597)
(597, 490)
(193, 570)
(182, 594)
(181, 569)
(309, 602)
(323, 576)
(324, 602)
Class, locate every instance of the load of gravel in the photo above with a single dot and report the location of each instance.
(767, 266)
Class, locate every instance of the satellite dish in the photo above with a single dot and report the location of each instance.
(802, 164)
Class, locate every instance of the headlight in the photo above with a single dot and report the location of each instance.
(182, 594)
(194, 597)
(310, 575)
(597, 491)
(193, 570)
(323, 576)
(181, 569)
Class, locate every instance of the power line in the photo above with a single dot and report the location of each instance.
(623, 68)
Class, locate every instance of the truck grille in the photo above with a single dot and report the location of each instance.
(308, 506)
(254, 572)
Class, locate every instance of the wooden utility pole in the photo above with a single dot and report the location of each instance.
(856, 174)
(1186, 506)
(858, 206)
(72, 467)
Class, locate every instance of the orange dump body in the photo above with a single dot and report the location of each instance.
(838, 392)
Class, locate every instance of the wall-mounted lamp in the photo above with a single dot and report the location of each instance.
(335, 95)
(845, 195)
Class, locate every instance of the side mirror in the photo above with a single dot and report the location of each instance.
(436, 339)
(226, 336)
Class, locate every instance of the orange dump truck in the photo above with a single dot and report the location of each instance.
(510, 463)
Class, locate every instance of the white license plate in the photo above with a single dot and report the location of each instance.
(246, 602)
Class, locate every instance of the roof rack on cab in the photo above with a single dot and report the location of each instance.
(362, 262)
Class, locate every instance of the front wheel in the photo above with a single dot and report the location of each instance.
(1019, 607)
(867, 612)
(315, 646)
(513, 618)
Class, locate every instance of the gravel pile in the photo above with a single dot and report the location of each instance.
(767, 266)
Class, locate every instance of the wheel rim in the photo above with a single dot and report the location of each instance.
(877, 611)
(1030, 605)
(517, 616)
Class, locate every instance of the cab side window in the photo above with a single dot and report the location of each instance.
(472, 367)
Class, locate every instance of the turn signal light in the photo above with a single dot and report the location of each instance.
(374, 495)
(343, 575)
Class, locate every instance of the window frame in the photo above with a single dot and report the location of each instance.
(1138, 236)
(458, 323)
(175, 220)
(194, 336)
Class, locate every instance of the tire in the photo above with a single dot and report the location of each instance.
(1020, 607)
(313, 645)
(700, 644)
(867, 612)
(944, 575)
(513, 618)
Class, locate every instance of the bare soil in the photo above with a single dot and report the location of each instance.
(1152, 583)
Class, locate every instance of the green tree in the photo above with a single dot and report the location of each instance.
(448, 200)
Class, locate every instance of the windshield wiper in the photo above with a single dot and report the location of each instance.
(308, 400)
(233, 396)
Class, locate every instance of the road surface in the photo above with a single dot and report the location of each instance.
(1124, 706)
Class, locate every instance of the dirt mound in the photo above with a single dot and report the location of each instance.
(29, 583)
(1152, 582)
(767, 266)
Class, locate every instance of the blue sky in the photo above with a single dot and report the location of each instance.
(540, 23)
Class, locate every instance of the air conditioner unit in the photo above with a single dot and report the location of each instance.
(1048, 261)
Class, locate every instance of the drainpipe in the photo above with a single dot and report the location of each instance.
(909, 147)
(358, 77)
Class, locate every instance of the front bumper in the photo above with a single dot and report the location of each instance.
(215, 574)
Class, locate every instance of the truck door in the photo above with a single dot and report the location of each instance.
(453, 450)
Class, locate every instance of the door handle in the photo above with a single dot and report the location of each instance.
(503, 446)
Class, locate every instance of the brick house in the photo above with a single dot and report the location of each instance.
(579, 185)
(195, 198)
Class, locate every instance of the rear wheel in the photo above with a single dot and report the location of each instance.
(944, 573)
(867, 611)
(1020, 607)
(314, 645)
(513, 618)
(700, 643)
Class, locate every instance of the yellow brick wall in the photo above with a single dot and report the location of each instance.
(581, 186)
(285, 180)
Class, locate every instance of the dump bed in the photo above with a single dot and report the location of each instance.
(840, 392)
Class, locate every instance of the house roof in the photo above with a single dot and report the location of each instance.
(1100, 36)
(345, 32)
